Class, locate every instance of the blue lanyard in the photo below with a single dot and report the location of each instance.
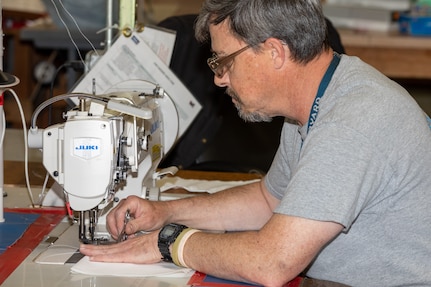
(322, 88)
(429, 121)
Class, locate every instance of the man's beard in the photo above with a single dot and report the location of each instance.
(247, 116)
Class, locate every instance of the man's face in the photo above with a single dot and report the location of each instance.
(239, 69)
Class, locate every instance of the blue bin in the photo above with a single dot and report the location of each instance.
(415, 25)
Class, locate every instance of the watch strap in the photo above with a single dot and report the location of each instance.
(167, 236)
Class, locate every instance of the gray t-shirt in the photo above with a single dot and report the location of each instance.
(366, 164)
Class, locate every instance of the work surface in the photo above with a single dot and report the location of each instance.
(29, 273)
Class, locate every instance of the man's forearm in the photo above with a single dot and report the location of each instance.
(239, 256)
(239, 208)
(271, 256)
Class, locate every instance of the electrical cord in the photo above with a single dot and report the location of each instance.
(27, 178)
(4, 193)
(33, 127)
(52, 100)
(75, 65)
(68, 30)
(3, 129)
(77, 26)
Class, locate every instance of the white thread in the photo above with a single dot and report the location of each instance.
(68, 31)
(77, 26)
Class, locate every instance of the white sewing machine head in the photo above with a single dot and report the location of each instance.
(107, 149)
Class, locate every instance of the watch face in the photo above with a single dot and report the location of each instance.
(167, 236)
(168, 231)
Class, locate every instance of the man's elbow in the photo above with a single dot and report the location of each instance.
(277, 277)
(272, 280)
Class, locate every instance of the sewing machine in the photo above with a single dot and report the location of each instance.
(110, 145)
(107, 149)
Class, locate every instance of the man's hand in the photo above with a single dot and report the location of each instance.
(141, 249)
(145, 216)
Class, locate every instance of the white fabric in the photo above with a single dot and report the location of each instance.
(162, 269)
(198, 185)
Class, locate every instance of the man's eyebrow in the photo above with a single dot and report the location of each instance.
(218, 53)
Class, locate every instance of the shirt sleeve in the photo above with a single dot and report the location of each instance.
(337, 173)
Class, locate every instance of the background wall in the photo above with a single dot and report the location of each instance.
(160, 9)
(156, 9)
(35, 6)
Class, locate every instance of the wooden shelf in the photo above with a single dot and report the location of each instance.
(395, 55)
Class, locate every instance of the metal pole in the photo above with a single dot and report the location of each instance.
(1, 121)
(109, 23)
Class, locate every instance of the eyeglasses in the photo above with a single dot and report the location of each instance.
(220, 65)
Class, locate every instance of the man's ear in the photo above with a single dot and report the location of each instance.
(277, 51)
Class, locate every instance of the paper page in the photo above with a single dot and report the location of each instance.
(130, 58)
(161, 41)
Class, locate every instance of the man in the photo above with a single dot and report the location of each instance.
(347, 196)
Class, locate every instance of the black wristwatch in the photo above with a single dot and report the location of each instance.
(167, 236)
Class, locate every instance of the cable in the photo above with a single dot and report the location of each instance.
(59, 98)
(27, 178)
(33, 126)
(77, 66)
(68, 31)
(2, 192)
(77, 26)
(3, 130)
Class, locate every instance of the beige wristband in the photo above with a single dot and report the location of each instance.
(178, 246)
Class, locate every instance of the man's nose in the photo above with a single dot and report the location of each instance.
(221, 81)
